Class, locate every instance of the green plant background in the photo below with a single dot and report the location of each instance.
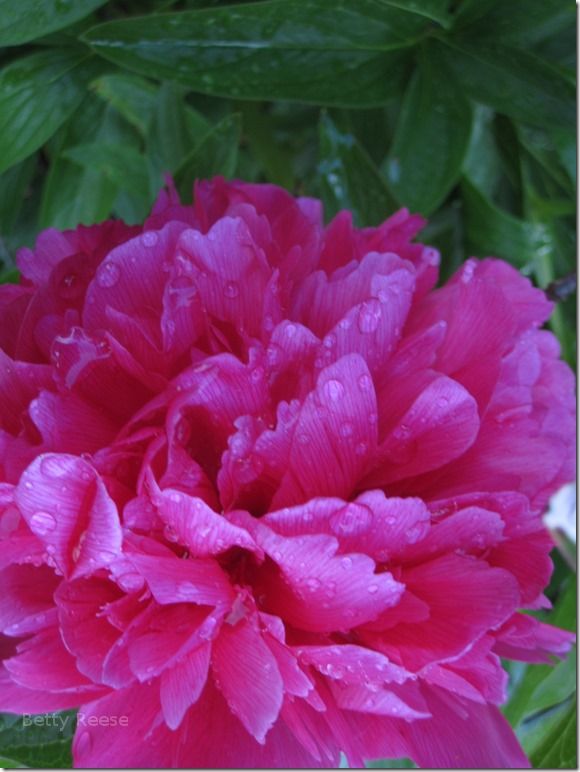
(463, 111)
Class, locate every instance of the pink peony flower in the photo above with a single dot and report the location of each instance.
(268, 495)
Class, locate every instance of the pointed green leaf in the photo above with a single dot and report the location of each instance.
(26, 20)
(74, 193)
(513, 81)
(349, 178)
(134, 97)
(491, 231)
(558, 750)
(432, 136)
(37, 94)
(348, 53)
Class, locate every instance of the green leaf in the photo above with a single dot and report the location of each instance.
(558, 750)
(349, 53)
(526, 22)
(217, 153)
(349, 178)
(431, 9)
(175, 129)
(11, 276)
(123, 165)
(74, 193)
(134, 97)
(259, 128)
(483, 162)
(543, 686)
(491, 231)
(37, 94)
(512, 81)
(10, 764)
(26, 20)
(45, 744)
(13, 185)
(432, 136)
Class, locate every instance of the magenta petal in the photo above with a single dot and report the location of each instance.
(317, 589)
(195, 525)
(464, 736)
(182, 685)
(251, 684)
(66, 505)
(173, 580)
(335, 435)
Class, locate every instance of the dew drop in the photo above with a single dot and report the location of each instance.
(361, 448)
(42, 523)
(372, 589)
(369, 316)
(346, 430)
(170, 533)
(346, 563)
(313, 584)
(52, 466)
(365, 382)
(149, 239)
(108, 275)
(333, 390)
(231, 289)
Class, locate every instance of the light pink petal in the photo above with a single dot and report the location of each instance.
(181, 685)
(335, 435)
(66, 505)
(251, 684)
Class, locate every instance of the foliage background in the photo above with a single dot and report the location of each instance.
(462, 110)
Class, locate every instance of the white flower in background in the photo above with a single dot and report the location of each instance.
(561, 514)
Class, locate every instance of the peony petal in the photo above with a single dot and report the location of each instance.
(335, 435)
(66, 505)
(182, 685)
(251, 684)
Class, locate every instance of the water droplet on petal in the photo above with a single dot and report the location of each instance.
(149, 239)
(369, 316)
(108, 275)
(365, 382)
(170, 533)
(231, 289)
(372, 588)
(313, 584)
(333, 390)
(42, 523)
(52, 466)
(346, 430)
